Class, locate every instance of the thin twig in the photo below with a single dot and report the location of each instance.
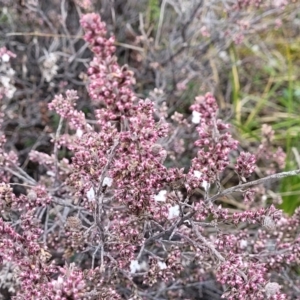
(208, 244)
(99, 192)
(104, 170)
(27, 178)
(297, 156)
(94, 255)
(214, 250)
(160, 22)
(55, 151)
(241, 187)
(54, 35)
(41, 34)
(46, 227)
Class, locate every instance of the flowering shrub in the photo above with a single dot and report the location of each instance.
(115, 222)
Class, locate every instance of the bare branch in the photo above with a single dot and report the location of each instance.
(242, 187)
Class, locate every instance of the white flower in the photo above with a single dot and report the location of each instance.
(255, 48)
(48, 67)
(5, 57)
(58, 283)
(269, 223)
(173, 212)
(5, 80)
(162, 265)
(50, 173)
(79, 133)
(6, 83)
(161, 196)
(91, 194)
(271, 289)
(10, 92)
(224, 56)
(197, 174)
(243, 244)
(204, 183)
(107, 181)
(135, 266)
(196, 117)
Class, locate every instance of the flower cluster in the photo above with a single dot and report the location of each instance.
(245, 279)
(215, 141)
(245, 165)
(65, 108)
(273, 157)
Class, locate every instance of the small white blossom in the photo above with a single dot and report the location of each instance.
(204, 184)
(162, 265)
(243, 244)
(49, 67)
(173, 212)
(255, 48)
(50, 173)
(197, 174)
(136, 266)
(196, 117)
(161, 196)
(91, 194)
(269, 223)
(10, 92)
(5, 80)
(58, 283)
(107, 181)
(224, 56)
(271, 289)
(5, 57)
(79, 133)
